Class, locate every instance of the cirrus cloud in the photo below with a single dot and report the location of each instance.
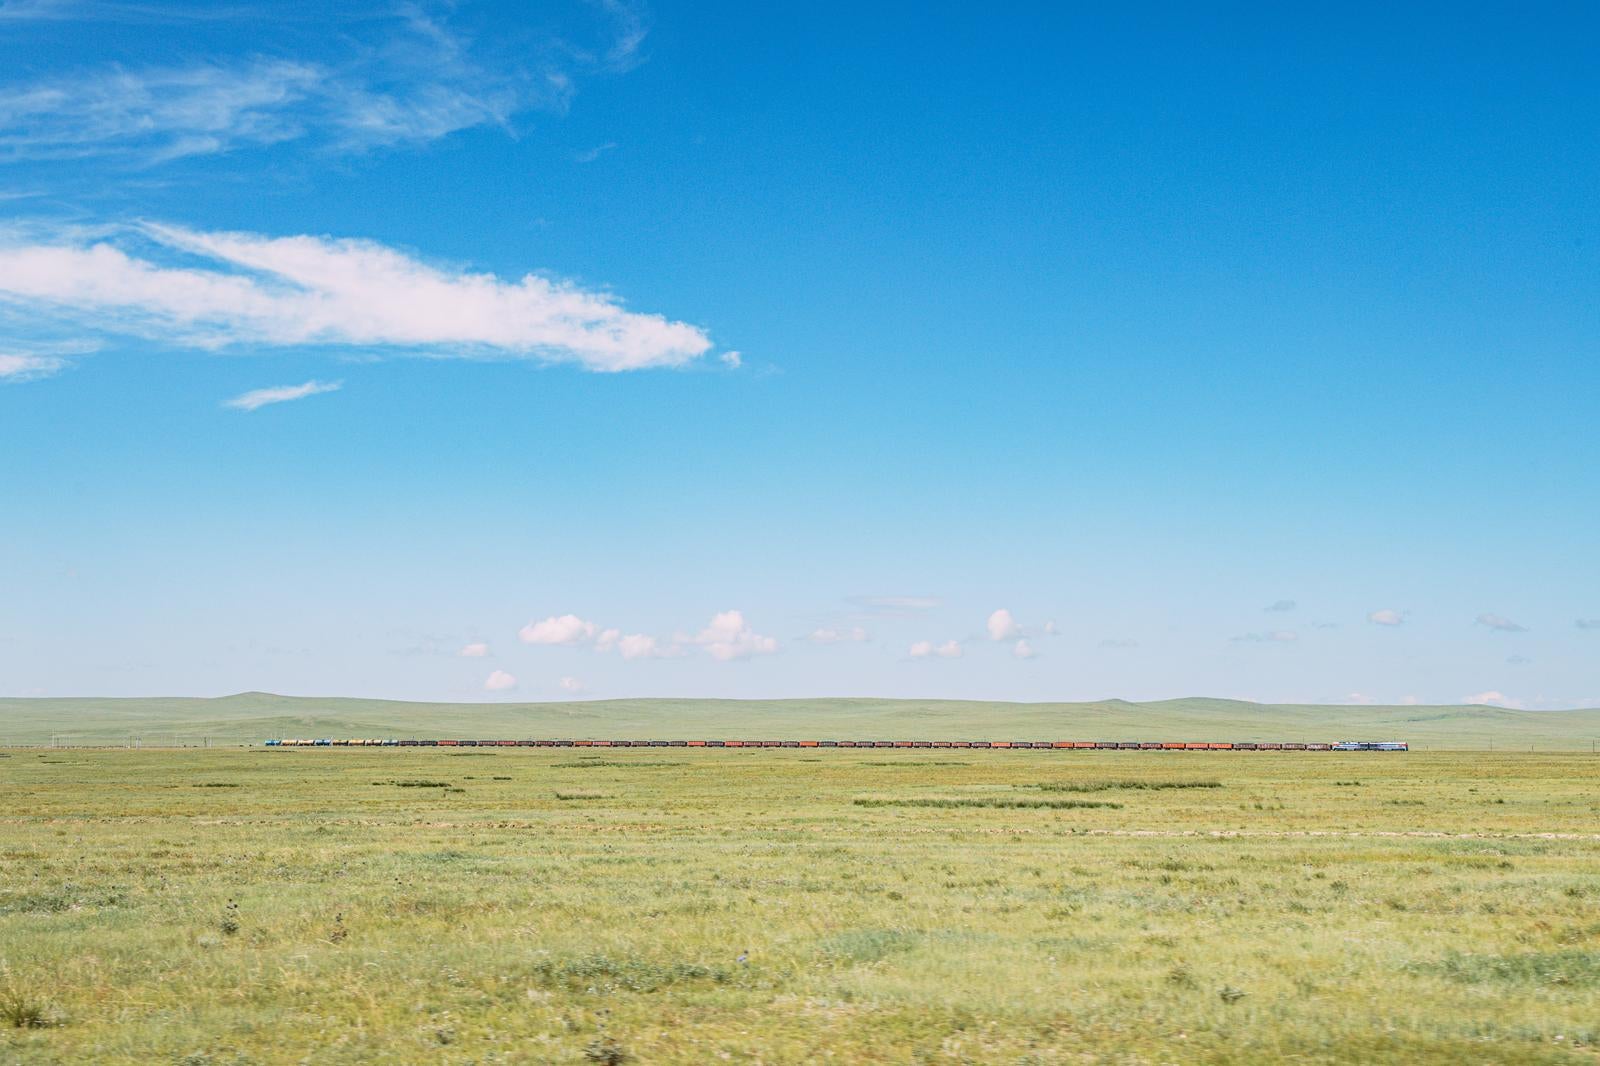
(259, 398)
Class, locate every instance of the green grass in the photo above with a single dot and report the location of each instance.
(742, 907)
(252, 717)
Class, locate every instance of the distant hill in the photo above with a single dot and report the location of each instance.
(254, 716)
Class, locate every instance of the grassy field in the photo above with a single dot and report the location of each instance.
(530, 906)
(252, 717)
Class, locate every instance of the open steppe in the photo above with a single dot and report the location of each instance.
(683, 906)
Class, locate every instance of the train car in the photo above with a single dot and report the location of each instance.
(1194, 746)
(808, 743)
(1294, 747)
(1244, 745)
(1105, 745)
(772, 743)
(1318, 747)
(1269, 746)
(941, 743)
(922, 743)
(883, 743)
(961, 743)
(789, 744)
(827, 743)
(845, 744)
(904, 743)
(1149, 745)
(1223, 746)
(1127, 745)
(978, 744)
(999, 743)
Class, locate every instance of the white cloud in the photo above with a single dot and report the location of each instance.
(1387, 617)
(1281, 605)
(28, 366)
(475, 651)
(607, 640)
(1360, 699)
(855, 634)
(732, 360)
(567, 629)
(1409, 701)
(1493, 697)
(258, 398)
(1500, 623)
(896, 604)
(377, 81)
(589, 155)
(1050, 629)
(922, 649)
(1023, 650)
(1002, 626)
(571, 684)
(640, 646)
(296, 291)
(729, 636)
(499, 681)
(1276, 636)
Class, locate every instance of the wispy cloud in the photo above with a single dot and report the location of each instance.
(829, 635)
(411, 75)
(281, 291)
(258, 398)
(589, 155)
(28, 366)
(1387, 617)
(1276, 636)
(475, 651)
(896, 604)
(1500, 623)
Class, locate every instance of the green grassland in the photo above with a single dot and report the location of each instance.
(252, 717)
(788, 906)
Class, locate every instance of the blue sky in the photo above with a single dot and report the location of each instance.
(523, 351)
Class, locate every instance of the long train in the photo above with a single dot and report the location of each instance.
(1051, 745)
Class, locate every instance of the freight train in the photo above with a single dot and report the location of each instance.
(1032, 745)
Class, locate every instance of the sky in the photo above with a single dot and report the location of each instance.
(536, 351)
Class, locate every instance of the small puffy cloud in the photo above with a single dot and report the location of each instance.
(1409, 701)
(500, 681)
(728, 636)
(571, 684)
(732, 360)
(1050, 629)
(1002, 626)
(1280, 605)
(1500, 623)
(1276, 636)
(639, 646)
(825, 635)
(923, 649)
(1023, 650)
(1493, 697)
(1588, 623)
(1123, 642)
(1360, 699)
(1387, 617)
(475, 651)
(566, 629)
(258, 398)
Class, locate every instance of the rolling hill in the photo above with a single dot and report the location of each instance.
(253, 716)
